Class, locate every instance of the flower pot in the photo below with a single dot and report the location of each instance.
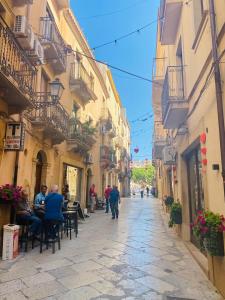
(214, 244)
(176, 217)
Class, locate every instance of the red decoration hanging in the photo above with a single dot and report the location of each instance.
(203, 138)
(174, 168)
(204, 151)
(136, 150)
(204, 162)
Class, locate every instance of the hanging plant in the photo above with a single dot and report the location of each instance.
(175, 214)
(208, 228)
(169, 201)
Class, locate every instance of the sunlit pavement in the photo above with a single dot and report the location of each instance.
(135, 257)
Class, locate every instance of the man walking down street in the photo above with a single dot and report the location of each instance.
(114, 199)
(108, 190)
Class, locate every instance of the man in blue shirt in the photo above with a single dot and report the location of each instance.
(40, 198)
(114, 199)
(53, 205)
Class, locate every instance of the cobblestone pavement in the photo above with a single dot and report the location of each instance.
(135, 257)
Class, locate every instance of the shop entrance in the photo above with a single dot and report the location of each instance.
(196, 193)
(40, 174)
(73, 177)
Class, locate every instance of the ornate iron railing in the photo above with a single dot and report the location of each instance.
(51, 34)
(78, 72)
(50, 114)
(173, 87)
(14, 63)
(77, 131)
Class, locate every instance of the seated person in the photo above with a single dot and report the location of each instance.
(25, 214)
(39, 202)
(54, 205)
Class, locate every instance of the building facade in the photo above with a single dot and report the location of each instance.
(52, 97)
(187, 142)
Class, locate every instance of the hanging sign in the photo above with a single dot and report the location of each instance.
(15, 134)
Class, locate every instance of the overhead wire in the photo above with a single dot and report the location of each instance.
(113, 12)
(138, 30)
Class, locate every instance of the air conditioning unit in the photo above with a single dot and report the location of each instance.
(169, 155)
(24, 33)
(37, 54)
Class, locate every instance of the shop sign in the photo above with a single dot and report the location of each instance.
(15, 134)
(169, 155)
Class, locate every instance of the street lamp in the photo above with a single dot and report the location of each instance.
(56, 89)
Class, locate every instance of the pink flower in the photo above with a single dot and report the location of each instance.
(203, 221)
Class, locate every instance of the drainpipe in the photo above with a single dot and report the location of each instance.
(218, 86)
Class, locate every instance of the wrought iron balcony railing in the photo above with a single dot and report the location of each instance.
(81, 81)
(50, 117)
(78, 138)
(173, 88)
(54, 45)
(17, 74)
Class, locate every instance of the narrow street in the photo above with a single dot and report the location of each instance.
(135, 257)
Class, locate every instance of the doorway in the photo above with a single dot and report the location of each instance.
(89, 175)
(196, 192)
(41, 160)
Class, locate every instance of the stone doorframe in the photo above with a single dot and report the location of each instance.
(45, 170)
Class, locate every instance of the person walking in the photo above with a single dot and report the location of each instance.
(92, 197)
(147, 190)
(107, 192)
(114, 199)
(142, 192)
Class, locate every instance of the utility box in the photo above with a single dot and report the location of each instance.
(10, 241)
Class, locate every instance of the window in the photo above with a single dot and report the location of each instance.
(198, 9)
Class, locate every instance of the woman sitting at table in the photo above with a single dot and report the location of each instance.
(53, 205)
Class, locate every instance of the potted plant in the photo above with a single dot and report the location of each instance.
(208, 227)
(169, 201)
(175, 214)
(10, 193)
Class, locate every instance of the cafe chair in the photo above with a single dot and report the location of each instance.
(50, 234)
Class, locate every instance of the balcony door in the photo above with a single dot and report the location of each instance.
(196, 193)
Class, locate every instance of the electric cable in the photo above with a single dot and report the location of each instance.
(126, 35)
(113, 12)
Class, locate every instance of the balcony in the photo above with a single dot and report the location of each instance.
(174, 104)
(159, 142)
(108, 157)
(79, 139)
(54, 46)
(119, 142)
(62, 4)
(170, 12)
(17, 74)
(50, 118)
(81, 82)
(158, 75)
(109, 128)
(22, 2)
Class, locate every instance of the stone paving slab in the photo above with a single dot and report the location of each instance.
(134, 258)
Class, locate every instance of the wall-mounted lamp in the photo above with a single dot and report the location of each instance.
(56, 89)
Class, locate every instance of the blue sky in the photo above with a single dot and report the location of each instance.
(134, 54)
